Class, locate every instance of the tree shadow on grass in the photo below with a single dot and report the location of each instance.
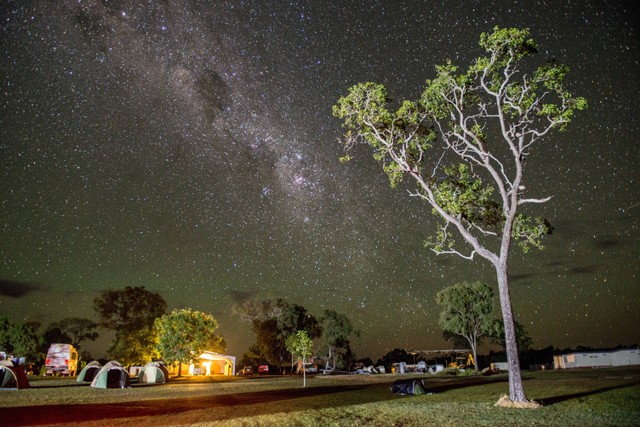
(463, 383)
(225, 406)
(548, 401)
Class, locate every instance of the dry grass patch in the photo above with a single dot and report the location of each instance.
(505, 402)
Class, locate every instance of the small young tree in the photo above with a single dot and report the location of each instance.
(300, 346)
(467, 311)
(184, 334)
(487, 121)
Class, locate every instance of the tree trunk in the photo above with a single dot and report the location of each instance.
(474, 351)
(304, 374)
(516, 390)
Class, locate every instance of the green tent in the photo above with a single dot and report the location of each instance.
(12, 376)
(111, 375)
(410, 386)
(89, 372)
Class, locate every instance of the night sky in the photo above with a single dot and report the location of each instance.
(189, 147)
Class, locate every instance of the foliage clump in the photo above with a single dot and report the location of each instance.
(130, 313)
(184, 334)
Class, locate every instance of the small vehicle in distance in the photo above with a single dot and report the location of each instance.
(62, 359)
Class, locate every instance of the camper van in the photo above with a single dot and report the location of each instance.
(62, 359)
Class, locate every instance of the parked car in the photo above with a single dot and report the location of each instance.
(263, 369)
(247, 370)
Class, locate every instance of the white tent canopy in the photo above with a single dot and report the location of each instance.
(153, 373)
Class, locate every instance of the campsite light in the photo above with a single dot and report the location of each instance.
(207, 367)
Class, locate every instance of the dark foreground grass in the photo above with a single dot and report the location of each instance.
(605, 397)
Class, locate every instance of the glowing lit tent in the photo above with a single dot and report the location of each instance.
(111, 375)
(153, 373)
(12, 376)
(89, 372)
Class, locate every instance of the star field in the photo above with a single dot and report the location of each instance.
(189, 147)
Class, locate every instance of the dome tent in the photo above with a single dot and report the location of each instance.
(153, 373)
(89, 372)
(12, 375)
(111, 375)
(410, 386)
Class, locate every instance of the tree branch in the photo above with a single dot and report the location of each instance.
(543, 200)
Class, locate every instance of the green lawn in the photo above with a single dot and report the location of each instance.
(603, 397)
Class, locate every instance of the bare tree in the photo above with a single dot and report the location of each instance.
(465, 143)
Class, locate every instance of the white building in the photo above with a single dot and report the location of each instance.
(597, 359)
(211, 363)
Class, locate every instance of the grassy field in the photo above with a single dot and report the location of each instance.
(603, 397)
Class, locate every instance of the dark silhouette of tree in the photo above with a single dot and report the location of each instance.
(273, 321)
(336, 334)
(20, 339)
(53, 334)
(72, 330)
(522, 336)
(396, 355)
(130, 313)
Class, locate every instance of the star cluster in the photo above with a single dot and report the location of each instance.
(189, 147)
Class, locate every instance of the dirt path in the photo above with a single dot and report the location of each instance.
(74, 414)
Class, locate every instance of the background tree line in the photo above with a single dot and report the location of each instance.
(275, 320)
(28, 341)
(144, 331)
